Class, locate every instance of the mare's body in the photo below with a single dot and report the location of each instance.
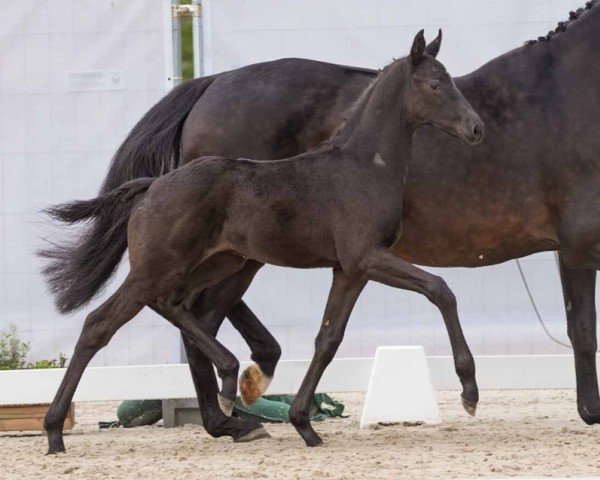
(532, 186)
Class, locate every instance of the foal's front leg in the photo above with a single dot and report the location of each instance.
(382, 266)
(342, 297)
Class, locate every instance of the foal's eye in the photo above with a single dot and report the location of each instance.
(434, 84)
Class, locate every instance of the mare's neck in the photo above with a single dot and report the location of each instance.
(516, 79)
(378, 133)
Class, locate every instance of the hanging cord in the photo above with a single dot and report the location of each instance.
(535, 309)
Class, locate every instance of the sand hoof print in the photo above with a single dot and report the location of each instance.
(253, 383)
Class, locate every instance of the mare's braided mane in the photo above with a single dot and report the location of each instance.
(562, 26)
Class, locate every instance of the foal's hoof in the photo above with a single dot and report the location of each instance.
(469, 406)
(307, 432)
(255, 434)
(590, 414)
(253, 383)
(55, 451)
(226, 405)
(55, 443)
(313, 441)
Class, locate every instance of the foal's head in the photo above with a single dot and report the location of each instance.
(433, 98)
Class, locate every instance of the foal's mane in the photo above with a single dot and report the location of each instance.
(562, 26)
(351, 111)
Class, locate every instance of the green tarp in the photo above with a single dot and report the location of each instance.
(267, 409)
(276, 408)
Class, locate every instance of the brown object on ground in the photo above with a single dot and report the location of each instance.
(516, 433)
(29, 417)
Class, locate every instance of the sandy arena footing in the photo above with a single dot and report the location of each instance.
(533, 433)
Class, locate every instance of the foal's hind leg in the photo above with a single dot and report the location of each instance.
(383, 266)
(579, 288)
(210, 309)
(216, 422)
(213, 271)
(342, 297)
(98, 329)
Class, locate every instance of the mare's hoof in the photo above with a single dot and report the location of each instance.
(253, 383)
(226, 405)
(469, 406)
(255, 434)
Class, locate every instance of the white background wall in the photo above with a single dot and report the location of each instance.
(496, 314)
(370, 33)
(56, 144)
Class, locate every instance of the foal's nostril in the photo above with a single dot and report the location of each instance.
(474, 132)
(477, 132)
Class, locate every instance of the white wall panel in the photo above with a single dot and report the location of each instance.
(343, 375)
(495, 310)
(56, 143)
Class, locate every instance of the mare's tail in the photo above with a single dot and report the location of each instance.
(152, 147)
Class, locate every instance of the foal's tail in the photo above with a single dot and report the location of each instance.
(77, 271)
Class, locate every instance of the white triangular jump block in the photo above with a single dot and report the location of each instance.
(400, 388)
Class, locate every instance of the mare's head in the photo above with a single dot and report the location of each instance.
(433, 98)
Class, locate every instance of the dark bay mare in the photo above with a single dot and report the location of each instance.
(532, 186)
(338, 206)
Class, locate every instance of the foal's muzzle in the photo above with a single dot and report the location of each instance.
(475, 131)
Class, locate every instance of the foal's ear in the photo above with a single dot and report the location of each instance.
(434, 47)
(418, 47)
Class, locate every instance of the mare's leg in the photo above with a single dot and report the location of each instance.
(212, 351)
(98, 329)
(579, 287)
(342, 297)
(382, 266)
(266, 352)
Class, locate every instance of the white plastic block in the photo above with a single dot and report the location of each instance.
(400, 388)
